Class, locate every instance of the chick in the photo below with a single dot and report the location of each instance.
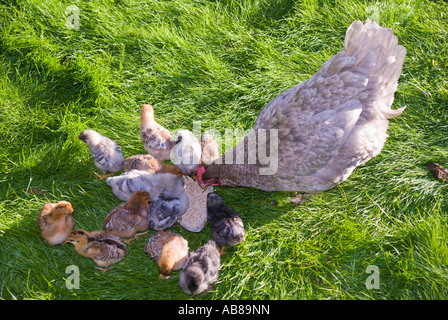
(169, 250)
(130, 217)
(155, 183)
(209, 149)
(157, 140)
(56, 221)
(186, 154)
(98, 246)
(148, 163)
(106, 153)
(167, 209)
(225, 223)
(200, 269)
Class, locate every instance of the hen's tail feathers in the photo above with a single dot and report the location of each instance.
(376, 49)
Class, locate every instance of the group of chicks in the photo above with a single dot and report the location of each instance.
(154, 198)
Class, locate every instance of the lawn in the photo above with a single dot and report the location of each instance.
(66, 66)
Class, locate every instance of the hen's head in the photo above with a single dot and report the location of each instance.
(203, 183)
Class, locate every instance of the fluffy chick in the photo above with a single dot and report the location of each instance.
(225, 223)
(157, 140)
(169, 250)
(155, 183)
(200, 269)
(56, 221)
(106, 153)
(209, 149)
(186, 154)
(102, 248)
(129, 218)
(148, 163)
(167, 209)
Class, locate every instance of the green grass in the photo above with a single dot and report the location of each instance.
(218, 62)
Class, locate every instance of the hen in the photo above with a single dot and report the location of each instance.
(130, 217)
(200, 269)
(56, 221)
(169, 250)
(103, 249)
(226, 224)
(106, 153)
(157, 140)
(319, 131)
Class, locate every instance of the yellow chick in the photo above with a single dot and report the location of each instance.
(169, 250)
(56, 221)
(129, 218)
(98, 246)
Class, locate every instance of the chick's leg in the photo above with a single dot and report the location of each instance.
(135, 237)
(104, 175)
(222, 250)
(103, 270)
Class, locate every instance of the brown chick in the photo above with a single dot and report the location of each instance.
(209, 149)
(147, 162)
(103, 249)
(129, 218)
(56, 221)
(157, 140)
(169, 250)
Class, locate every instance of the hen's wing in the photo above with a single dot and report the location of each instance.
(314, 139)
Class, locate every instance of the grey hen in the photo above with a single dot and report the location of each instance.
(225, 223)
(200, 270)
(317, 132)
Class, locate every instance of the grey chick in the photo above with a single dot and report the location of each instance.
(167, 209)
(186, 153)
(200, 270)
(155, 183)
(225, 223)
(106, 153)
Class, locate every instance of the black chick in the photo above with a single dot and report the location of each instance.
(225, 223)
